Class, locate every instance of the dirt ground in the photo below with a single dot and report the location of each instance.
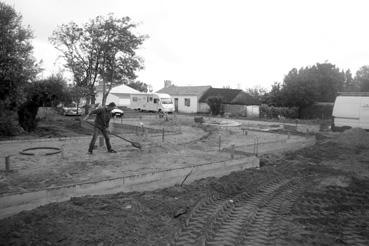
(185, 144)
(315, 196)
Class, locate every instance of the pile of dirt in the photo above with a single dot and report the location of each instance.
(355, 137)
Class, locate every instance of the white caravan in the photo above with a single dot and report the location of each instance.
(156, 102)
(351, 110)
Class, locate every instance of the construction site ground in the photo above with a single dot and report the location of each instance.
(184, 144)
(316, 195)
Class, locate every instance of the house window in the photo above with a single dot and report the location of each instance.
(187, 102)
(134, 99)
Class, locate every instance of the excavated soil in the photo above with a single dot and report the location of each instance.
(315, 196)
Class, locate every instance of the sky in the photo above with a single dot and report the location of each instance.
(223, 43)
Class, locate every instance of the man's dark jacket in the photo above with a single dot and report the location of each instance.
(102, 117)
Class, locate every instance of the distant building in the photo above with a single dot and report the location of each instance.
(234, 101)
(120, 95)
(193, 99)
(186, 98)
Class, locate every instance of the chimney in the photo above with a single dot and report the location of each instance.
(167, 83)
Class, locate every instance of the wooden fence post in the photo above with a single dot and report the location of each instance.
(7, 163)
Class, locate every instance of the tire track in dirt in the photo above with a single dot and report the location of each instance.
(339, 214)
(250, 218)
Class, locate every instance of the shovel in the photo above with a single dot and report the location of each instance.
(134, 144)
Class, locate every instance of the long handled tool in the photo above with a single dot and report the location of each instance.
(134, 144)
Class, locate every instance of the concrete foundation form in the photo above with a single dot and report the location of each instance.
(14, 203)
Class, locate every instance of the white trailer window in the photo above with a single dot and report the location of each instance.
(166, 100)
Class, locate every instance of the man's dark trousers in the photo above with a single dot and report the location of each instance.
(94, 136)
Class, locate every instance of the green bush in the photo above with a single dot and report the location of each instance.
(277, 112)
(27, 115)
(317, 111)
(215, 104)
(9, 126)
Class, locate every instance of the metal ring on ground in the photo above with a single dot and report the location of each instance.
(24, 152)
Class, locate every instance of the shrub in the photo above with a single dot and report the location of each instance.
(27, 115)
(215, 104)
(276, 112)
(317, 111)
(9, 126)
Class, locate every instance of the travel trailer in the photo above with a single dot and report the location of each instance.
(351, 109)
(154, 102)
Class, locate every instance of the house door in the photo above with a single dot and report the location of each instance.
(176, 104)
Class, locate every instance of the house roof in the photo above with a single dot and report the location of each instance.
(174, 90)
(353, 94)
(230, 96)
(244, 98)
(123, 89)
(227, 95)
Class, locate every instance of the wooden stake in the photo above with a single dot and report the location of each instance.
(101, 141)
(62, 152)
(232, 151)
(162, 137)
(7, 163)
(220, 142)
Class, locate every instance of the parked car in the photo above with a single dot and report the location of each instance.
(71, 109)
(117, 113)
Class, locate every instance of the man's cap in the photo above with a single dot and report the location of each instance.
(112, 105)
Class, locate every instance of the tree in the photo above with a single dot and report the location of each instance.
(17, 66)
(274, 97)
(350, 84)
(76, 93)
(257, 92)
(101, 50)
(329, 81)
(362, 78)
(215, 104)
(303, 87)
(298, 89)
(50, 91)
(138, 85)
(320, 82)
(47, 93)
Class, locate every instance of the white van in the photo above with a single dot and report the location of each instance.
(155, 102)
(351, 109)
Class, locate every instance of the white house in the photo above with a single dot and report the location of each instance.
(120, 95)
(186, 98)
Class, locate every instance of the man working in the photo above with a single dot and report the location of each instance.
(101, 124)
